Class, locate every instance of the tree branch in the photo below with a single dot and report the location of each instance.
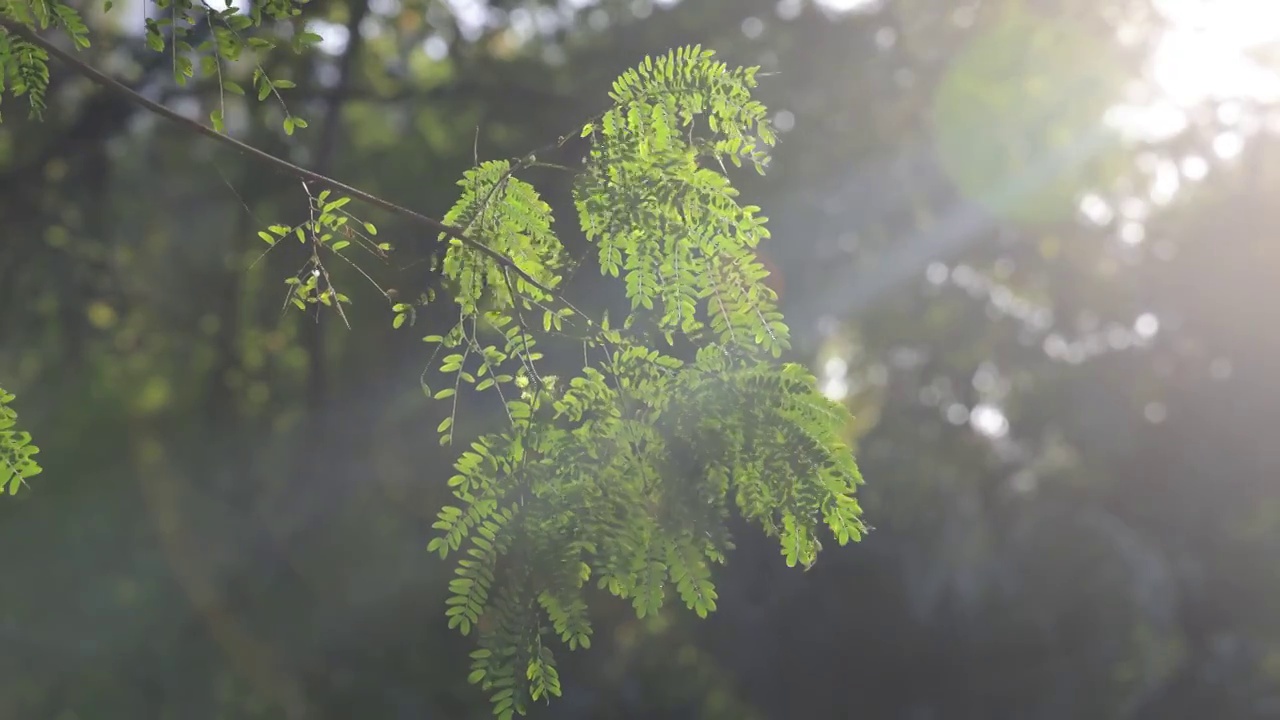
(115, 86)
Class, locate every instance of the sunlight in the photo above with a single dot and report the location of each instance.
(1205, 55)
(844, 6)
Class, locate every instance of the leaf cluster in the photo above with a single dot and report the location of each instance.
(624, 474)
(17, 462)
(201, 41)
(661, 214)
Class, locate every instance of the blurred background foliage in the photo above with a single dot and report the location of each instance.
(1028, 242)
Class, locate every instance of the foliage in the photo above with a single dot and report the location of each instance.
(24, 68)
(199, 38)
(624, 473)
(16, 450)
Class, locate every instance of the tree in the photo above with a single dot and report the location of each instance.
(623, 473)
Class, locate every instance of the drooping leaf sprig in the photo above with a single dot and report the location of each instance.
(17, 453)
(624, 474)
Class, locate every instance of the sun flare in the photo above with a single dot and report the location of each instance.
(1205, 53)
